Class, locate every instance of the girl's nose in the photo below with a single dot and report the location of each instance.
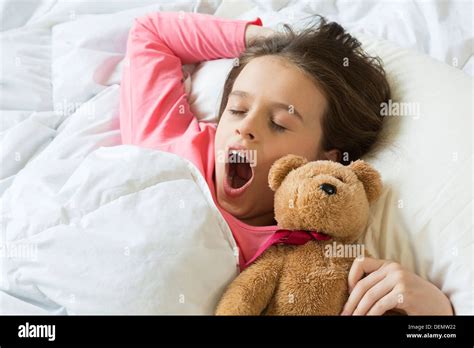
(247, 128)
(245, 135)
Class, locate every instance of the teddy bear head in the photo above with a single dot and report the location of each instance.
(324, 196)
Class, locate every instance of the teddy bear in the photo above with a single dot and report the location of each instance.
(322, 207)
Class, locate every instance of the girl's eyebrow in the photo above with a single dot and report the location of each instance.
(276, 105)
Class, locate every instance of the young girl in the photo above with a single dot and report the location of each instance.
(313, 93)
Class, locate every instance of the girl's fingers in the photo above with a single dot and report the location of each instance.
(360, 290)
(360, 267)
(373, 295)
(385, 304)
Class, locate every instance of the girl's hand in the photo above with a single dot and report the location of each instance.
(387, 285)
(255, 31)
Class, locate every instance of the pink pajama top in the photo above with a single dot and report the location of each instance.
(154, 111)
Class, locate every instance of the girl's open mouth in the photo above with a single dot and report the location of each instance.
(239, 173)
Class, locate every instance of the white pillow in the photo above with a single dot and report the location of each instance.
(424, 218)
(205, 90)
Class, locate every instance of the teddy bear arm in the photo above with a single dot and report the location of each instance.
(252, 290)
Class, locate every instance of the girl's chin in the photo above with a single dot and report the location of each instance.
(237, 206)
(243, 208)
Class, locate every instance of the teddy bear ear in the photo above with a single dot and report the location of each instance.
(282, 167)
(369, 177)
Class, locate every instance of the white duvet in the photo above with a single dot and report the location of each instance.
(95, 228)
(92, 226)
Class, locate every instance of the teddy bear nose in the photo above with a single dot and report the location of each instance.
(328, 188)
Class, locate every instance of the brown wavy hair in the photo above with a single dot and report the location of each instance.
(353, 82)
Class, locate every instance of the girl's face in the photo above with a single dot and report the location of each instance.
(274, 109)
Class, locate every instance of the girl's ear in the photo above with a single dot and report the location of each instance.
(369, 177)
(282, 167)
(332, 155)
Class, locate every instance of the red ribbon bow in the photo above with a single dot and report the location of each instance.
(296, 237)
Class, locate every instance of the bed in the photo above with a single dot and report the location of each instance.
(86, 220)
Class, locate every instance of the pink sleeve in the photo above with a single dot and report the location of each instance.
(153, 105)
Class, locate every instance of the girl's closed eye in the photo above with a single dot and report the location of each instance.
(276, 126)
(236, 112)
(273, 125)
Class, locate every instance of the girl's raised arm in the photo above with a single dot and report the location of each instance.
(153, 105)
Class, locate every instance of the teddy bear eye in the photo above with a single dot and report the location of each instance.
(328, 189)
